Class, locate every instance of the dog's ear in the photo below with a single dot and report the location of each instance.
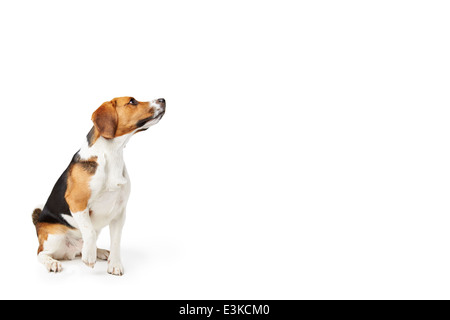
(106, 120)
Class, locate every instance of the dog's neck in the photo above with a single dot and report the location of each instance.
(109, 153)
(96, 145)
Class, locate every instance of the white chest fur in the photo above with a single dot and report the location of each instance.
(110, 185)
(108, 201)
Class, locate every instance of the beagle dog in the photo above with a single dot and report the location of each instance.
(93, 191)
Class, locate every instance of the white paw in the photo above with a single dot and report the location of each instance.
(89, 255)
(53, 266)
(115, 268)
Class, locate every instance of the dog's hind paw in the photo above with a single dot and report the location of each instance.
(102, 254)
(53, 266)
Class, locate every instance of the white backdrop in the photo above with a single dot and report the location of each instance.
(304, 152)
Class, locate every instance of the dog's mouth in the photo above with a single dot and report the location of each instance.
(159, 115)
(142, 123)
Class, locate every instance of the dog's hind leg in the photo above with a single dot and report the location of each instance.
(51, 264)
(56, 242)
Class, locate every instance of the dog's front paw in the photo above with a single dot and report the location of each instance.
(89, 255)
(115, 268)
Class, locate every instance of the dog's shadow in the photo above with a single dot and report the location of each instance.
(135, 260)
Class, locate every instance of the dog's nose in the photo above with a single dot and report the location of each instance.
(161, 100)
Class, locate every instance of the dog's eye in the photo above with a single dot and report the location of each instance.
(133, 102)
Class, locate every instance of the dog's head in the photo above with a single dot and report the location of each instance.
(126, 115)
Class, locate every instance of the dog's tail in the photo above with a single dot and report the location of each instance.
(35, 215)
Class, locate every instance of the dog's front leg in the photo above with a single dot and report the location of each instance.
(114, 262)
(89, 251)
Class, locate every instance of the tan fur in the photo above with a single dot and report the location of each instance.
(78, 190)
(129, 116)
(105, 120)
